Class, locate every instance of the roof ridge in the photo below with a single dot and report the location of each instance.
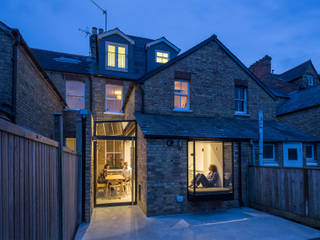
(296, 67)
(45, 50)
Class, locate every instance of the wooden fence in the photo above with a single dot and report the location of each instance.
(29, 207)
(293, 193)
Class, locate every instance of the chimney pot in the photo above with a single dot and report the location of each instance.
(100, 30)
(94, 30)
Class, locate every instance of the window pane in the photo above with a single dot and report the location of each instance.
(309, 151)
(213, 168)
(177, 86)
(184, 102)
(75, 102)
(268, 151)
(177, 102)
(121, 57)
(75, 88)
(239, 106)
(111, 56)
(292, 154)
(184, 88)
(114, 91)
(113, 105)
(162, 57)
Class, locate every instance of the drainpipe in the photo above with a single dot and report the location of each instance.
(253, 152)
(90, 92)
(84, 115)
(14, 75)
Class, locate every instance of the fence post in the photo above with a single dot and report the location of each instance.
(306, 192)
(79, 152)
(58, 136)
(82, 166)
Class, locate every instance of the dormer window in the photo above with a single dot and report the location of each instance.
(310, 80)
(162, 56)
(116, 56)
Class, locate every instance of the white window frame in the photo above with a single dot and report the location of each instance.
(84, 96)
(270, 161)
(116, 45)
(245, 101)
(108, 98)
(161, 51)
(310, 78)
(292, 163)
(187, 109)
(310, 161)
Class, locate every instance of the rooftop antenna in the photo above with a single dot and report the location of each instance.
(85, 31)
(104, 12)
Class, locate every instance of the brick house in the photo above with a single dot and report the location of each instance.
(28, 96)
(168, 116)
(298, 91)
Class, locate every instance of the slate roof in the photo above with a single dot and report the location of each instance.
(279, 87)
(63, 62)
(295, 72)
(299, 100)
(154, 125)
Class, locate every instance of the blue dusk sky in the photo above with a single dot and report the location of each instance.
(287, 30)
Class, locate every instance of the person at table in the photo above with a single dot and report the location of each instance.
(209, 181)
(105, 169)
(126, 172)
(103, 174)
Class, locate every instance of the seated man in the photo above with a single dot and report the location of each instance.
(209, 181)
(126, 172)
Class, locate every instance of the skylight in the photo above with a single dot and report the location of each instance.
(67, 60)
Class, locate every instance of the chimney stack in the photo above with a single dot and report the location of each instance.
(261, 67)
(100, 30)
(93, 43)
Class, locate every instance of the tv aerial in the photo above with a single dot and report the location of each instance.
(104, 12)
(85, 31)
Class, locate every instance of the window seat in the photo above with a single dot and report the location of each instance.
(200, 191)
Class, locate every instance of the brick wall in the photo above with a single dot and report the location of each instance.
(35, 100)
(261, 67)
(167, 178)
(306, 120)
(5, 74)
(213, 75)
(141, 171)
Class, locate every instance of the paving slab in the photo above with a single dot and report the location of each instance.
(129, 222)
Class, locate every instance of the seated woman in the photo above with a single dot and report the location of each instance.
(103, 174)
(209, 181)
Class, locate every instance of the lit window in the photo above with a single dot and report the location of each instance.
(310, 80)
(71, 143)
(113, 99)
(181, 94)
(162, 57)
(240, 99)
(75, 94)
(116, 56)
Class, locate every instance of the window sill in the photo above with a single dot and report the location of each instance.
(116, 69)
(241, 114)
(182, 110)
(312, 164)
(73, 109)
(275, 164)
(114, 113)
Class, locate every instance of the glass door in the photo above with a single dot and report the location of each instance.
(115, 165)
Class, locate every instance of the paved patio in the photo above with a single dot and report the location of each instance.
(128, 222)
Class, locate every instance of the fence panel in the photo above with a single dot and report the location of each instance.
(289, 192)
(29, 186)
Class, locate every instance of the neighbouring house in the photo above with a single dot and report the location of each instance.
(298, 90)
(157, 119)
(27, 95)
